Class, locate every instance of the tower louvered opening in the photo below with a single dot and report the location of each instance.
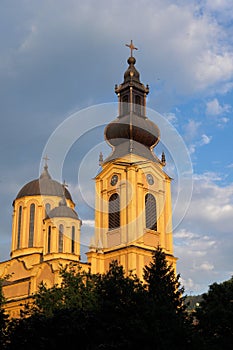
(114, 211)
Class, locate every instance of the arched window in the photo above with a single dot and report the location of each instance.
(47, 208)
(151, 214)
(31, 225)
(72, 239)
(138, 104)
(19, 227)
(125, 105)
(60, 239)
(49, 239)
(114, 211)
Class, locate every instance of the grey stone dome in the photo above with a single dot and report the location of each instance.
(62, 212)
(45, 185)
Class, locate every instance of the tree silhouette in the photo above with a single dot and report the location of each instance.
(215, 316)
(168, 322)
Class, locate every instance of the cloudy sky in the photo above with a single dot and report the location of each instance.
(60, 57)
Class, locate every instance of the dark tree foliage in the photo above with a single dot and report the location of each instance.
(215, 316)
(3, 317)
(167, 320)
(106, 311)
(77, 290)
(121, 308)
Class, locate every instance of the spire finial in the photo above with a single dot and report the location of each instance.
(101, 158)
(132, 47)
(64, 185)
(45, 173)
(163, 159)
(45, 158)
(63, 200)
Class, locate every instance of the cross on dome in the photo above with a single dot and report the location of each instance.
(132, 47)
(45, 158)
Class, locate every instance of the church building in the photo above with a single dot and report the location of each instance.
(133, 210)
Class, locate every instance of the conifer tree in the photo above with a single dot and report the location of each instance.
(162, 283)
(166, 320)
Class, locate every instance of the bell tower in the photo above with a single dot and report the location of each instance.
(133, 212)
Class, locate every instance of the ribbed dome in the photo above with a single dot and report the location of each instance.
(62, 211)
(45, 185)
(132, 127)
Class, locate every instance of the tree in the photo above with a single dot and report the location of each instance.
(77, 290)
(121, 300)
(215, 316)
(167, 319)
(107, 311)
(59, 317)
(3, 316)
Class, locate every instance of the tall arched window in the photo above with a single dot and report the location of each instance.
(125, 104)
(49, 239)
(72, 239)
(151, 213)
(114, 211)
(19, 227)
(60, 239)
(31, 225)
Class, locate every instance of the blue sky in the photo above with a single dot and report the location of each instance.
(59, 57)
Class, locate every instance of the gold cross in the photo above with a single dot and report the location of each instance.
(132, 47)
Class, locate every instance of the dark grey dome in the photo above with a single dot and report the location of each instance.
(132, 127)
(62, 211)
(45, 185)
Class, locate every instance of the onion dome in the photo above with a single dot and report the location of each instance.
(45, 186)
(131, 73)
(133, 127)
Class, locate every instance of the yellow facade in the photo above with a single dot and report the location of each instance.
(133, 210)
(132, 243)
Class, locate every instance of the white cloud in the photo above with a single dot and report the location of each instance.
(191, 132)
(205, 140)
(203, 241)
(213, 108)
(191, 129)
(220, 7)
(214, 68)
(205, 266)
(187, 51)
(88, 223)
(171, 117)
(212, 206)
(190, 286)
(207, 177)
(184, 234)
